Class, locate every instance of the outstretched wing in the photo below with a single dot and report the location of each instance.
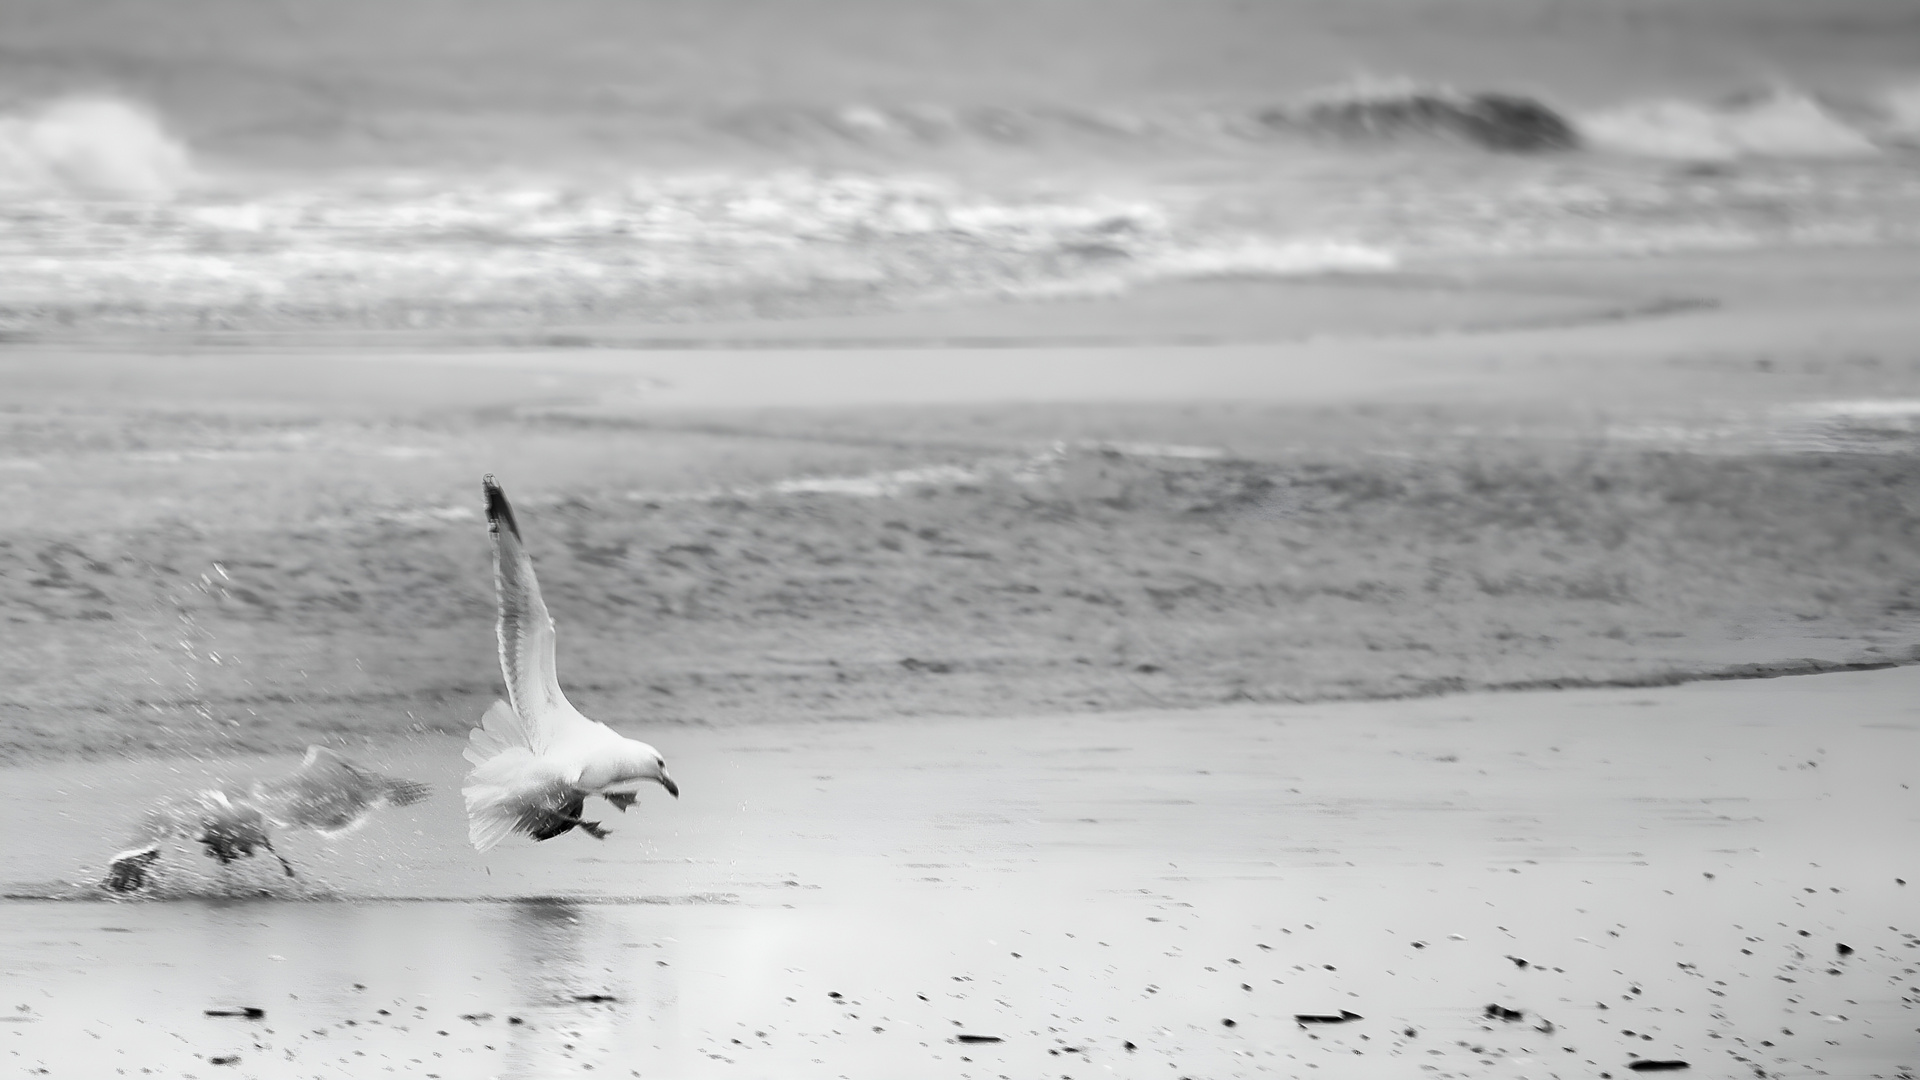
(525, 629)
(329, 793)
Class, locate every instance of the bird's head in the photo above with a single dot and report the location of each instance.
(640, 762)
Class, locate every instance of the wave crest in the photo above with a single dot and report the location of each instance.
(94, 147)
(1780, 123)
(1397, 109)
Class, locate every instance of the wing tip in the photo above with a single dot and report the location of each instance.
(407, 792)
(499, 511)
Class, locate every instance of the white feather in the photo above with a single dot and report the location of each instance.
(534, 750)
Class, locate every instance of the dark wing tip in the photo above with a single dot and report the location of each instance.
(406, 792)
(499, 511)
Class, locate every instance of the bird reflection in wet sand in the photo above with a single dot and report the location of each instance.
(560, 980)
(327, 794)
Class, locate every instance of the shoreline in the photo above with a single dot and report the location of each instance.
(389, 741)
(1430, 296)
(893, 532)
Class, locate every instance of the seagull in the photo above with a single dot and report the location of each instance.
(326, 793)
(535, 758)
(330, 794)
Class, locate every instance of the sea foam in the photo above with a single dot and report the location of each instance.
(98, 147)
(1782, 123)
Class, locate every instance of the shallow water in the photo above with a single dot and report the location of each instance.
(1666, 873)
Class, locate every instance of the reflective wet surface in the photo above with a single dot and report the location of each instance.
(1711, 873)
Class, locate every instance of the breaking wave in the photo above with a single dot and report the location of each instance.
(1370, 111)
(425, 252)
(1780, 123)
(104, 220)
(1391, 110)
(90, 146)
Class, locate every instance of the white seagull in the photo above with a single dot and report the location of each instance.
(326, 793)
(535, 758)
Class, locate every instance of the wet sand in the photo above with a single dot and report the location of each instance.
(1710, 873)
(221, 543)
(893, 834)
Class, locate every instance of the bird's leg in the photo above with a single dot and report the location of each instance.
(621, 800)
(545, 824)
(284, 864)
(551, 823)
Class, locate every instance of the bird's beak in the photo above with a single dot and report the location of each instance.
(666, 781)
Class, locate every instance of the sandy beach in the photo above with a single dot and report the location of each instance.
(1713, 873)
(921, 805)
(1166, 539)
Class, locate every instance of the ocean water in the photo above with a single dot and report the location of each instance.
(220, 163)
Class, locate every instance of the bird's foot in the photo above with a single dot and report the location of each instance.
(622, 800)
(593, 827)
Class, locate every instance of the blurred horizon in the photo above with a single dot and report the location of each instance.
(213, 163)
(359, 82)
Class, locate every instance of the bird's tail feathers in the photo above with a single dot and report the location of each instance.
(486, 828)
(495, 792)
(500, 729)
(492, 813)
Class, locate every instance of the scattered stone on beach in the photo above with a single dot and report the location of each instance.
(1650, 1065)
(1501, 1012)
(978, 1038)
(224, 1059)
(1342, 1017)
(1843, 949)
(594, 999)
(247, 1012)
